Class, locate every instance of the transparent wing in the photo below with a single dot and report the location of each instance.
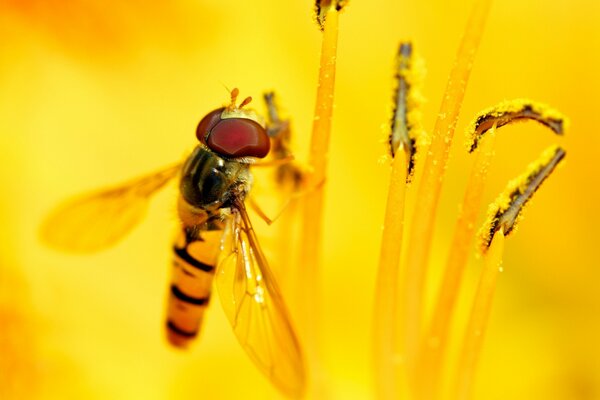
(255, 307)
(98, 220)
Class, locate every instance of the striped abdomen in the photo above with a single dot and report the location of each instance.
(194, 262)
(208, 183)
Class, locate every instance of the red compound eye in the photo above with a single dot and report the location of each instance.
(239, 137)
(207, 123)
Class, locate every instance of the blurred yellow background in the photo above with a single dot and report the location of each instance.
(96, 92)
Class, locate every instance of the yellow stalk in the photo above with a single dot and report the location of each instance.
(433, 173)
(388, 380)
(479, 317)
(405, 139)
(313, 202)
(433, 346)
(503, 215)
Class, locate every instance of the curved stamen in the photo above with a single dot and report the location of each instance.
(505, 212)
(512, 111)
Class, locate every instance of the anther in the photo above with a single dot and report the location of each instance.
(505, 212)
(512, 111)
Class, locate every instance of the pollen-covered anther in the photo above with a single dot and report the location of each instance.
(513, 111)
(505, 212)
(406, 133)
(399, 135)
(322, 7)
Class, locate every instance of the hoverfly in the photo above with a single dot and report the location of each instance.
(216, 239)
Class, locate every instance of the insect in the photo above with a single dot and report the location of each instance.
(216, 241)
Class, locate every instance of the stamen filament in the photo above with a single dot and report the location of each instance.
(434, 344)
(477, 325)
(390, 371)
(387, 347)
(311, 236)
(433, 173)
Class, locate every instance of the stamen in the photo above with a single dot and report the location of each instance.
(277, 129)
(478, 320)
(431, 358)
(269, 98)
(312, 225)
(505, 212)
(406, 120)
(512, 111)
(323, 6)
(423, 218)
(390, 376)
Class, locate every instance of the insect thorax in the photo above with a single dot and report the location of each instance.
(210, 182)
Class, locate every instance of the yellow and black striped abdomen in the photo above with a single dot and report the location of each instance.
(193, 269)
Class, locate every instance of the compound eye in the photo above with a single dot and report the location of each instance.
(208, 123)
(239, 137)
